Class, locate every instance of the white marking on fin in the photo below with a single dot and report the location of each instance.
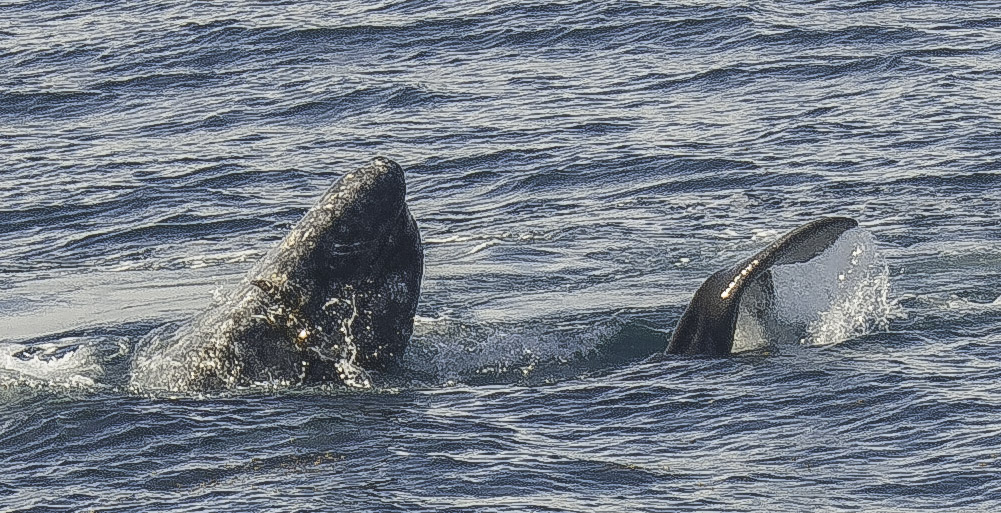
(736, 279)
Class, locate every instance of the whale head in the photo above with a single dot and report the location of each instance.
(332, 301)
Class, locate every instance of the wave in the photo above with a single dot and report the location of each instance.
(54, 104)
(449, 351)
(342, 105)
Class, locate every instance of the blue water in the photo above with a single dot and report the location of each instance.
(577, 169)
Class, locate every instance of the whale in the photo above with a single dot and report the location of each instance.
(335, 299)
(332, 302)
(708, 323)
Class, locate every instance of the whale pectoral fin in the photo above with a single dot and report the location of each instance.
(763, 289)
(806, 242)
(708, 323)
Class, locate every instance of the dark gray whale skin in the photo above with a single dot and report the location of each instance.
(707, 326)
(334, 299)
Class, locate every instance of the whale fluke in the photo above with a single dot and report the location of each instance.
(335, 298)
(708, 324)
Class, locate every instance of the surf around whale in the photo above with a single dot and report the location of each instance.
(336, 298)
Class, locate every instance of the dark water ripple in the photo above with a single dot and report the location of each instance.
(576, 169)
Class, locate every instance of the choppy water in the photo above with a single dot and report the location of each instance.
(577, 169)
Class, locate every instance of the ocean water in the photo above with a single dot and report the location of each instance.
(576, 169)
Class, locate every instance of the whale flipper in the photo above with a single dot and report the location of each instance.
(335, 298)
(707, 326)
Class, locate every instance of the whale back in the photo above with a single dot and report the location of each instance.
(707, 326)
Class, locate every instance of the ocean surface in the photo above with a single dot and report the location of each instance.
(576, 169)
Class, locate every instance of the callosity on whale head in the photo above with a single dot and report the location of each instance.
(335, 298)
(707, 326)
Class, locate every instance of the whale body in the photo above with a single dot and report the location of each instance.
(708, 324)
(333, 300)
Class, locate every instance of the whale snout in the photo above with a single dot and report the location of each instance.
(359, 207)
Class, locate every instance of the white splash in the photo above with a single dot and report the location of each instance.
(842, 294)
(862, 303)
(457, 350)
(50, 364)
(347, 369)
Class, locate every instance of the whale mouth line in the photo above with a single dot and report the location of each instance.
(353, 248)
